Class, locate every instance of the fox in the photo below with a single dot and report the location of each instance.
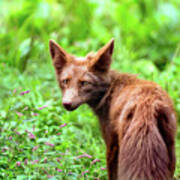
(137, 117)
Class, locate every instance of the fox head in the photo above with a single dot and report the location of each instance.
(82, 79)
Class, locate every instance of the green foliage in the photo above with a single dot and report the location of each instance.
(147, 43)
(58, 147)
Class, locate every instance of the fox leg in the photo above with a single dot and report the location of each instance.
(112, 161)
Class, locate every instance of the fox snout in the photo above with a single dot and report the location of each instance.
(69, 99)
(68, 106)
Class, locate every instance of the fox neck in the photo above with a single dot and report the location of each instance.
(101, 104)
(118, 81)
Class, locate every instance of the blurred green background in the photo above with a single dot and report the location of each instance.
(35, 143)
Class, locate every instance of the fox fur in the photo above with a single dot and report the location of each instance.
(137, 117)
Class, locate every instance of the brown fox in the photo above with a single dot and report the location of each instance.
(137, 117)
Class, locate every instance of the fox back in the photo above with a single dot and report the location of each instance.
(137, 118)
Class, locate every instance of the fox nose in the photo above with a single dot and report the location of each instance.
(67, 105)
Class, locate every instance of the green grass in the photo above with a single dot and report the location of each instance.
(51, 142)
(58, 147)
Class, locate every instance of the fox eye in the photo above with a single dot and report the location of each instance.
(65, 81)
(84, 83)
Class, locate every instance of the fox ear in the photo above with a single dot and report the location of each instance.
(102, 60)
(58, 55)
